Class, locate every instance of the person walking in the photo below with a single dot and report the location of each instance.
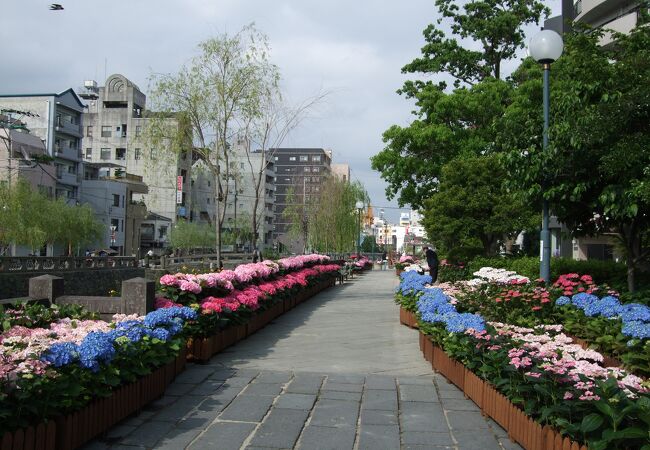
(257, 255)
(384, 263)
(432, 262)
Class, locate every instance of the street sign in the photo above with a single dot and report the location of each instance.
(179, 183)
(179, 197)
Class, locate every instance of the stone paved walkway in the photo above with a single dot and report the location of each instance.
(337, 372)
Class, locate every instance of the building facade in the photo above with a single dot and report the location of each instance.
(342, 171)
(299, 174)
(114, 139)
(57, 120)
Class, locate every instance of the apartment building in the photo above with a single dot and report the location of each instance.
(114, 139)
(342, 171)
(57, 120)
(299, 171)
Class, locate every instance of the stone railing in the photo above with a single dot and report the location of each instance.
(206, 260)
(137, 296)
(13, 264)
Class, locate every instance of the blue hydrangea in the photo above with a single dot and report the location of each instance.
(413, 283)
(132, 329)
(165, 316)
(605, 307)
(96, 348)
(636, 329)
(458, 323)
(61, 354)
(635, 312)
(583, 299)
(434, 300)
(160, 333)
(561, 301)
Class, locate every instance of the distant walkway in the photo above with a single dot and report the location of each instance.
(337, 372)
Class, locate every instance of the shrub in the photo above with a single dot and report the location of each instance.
(463, 254)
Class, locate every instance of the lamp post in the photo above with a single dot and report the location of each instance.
(359, 206)
(545, 47)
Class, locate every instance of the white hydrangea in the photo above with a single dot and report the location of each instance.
(492, 275)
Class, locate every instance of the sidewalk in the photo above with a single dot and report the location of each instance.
(337, 372)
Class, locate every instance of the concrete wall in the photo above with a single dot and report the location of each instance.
(87, 282)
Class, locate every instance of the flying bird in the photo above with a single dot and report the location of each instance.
(56, 7)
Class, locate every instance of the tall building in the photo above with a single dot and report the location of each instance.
(617, 15)
(115, 141)
(299, 171)
(246, 167)
(56, 119)
(341, 171)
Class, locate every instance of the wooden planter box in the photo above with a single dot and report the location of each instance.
(77, 428)
(408, 318)
(450, 368)
(474, 388)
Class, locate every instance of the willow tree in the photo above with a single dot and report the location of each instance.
(333, 218)
(214, 96)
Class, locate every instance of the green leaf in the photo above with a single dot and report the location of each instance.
(591, 423)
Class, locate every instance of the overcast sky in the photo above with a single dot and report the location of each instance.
(352, 49)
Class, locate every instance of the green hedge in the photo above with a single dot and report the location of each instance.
(603, 272)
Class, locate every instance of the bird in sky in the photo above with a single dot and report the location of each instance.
(56, 7)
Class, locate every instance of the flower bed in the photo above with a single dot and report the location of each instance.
(233, 304)
(61, 379)
(550, 380)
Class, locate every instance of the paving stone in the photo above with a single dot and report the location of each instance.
(417, 393)
(507, 444)
(127, 447)
(305, 384)
(335, 413)
(476, 440)
(467, 420)
(178, 438)
(96, 445)
(422, 416)
(162, 402)
(377, 417)
(451, 394)
(209, 409)
(273, 377)
(180, 389)
(457, 404)
(427, 447)
(237, 381)
(422, 381)
(295, 401)
(376, 437)
(339, 395)
(194, 374)
(380, 382)
(342, 387)
(224, 436)
(256, 388)
(222, 374)
(208, 387)
(120, 431)
(139, 418)
(180, 409)
(148, 434)
(346, 379)
(280, 428)
(326, 438)
(496, 428)
(379, 399)
(443, 383)
(247, 408)
(427, 438)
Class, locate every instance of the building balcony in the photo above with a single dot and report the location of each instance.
(624, 24)
(68, 128)
(67, 178)
(597, 12)
(69, 153)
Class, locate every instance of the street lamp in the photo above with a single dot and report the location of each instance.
(359, 206)
(545, 47)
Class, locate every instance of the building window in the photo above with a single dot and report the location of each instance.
(152, 152)
(138, 130)
(120, 153)
(89, 153)
(72, 169)
(162, 232)
(304, 158)
(89, 131)
(106, 131)
(138, 153)
(292, 158)
(315, 158)
(123, 130)
(116, 200)
(207, 199)
(307, 169)
(241, 165)
(316, 169)
(276, 158)
(105, 154)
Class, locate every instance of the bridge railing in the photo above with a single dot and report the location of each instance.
(18, 264)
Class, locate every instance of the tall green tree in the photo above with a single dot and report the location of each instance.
(448, 124)
(473, 202)
(596, 169)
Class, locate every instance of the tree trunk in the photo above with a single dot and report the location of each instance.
(632, 242)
